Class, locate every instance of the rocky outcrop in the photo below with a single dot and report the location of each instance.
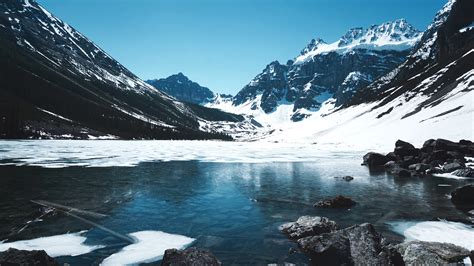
(339, 202)
(308, 226)
(363, 245)
(431, 253)
(435, 156)
(15, 257)
(189, 257)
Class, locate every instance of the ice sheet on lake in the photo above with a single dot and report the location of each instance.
(437, 231)
(150, 247)
(60, 245)
(106, 153)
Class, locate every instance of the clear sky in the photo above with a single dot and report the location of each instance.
(223, 44)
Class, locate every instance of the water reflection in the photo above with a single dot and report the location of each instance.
(214, 202)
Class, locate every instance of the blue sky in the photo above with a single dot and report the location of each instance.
(223, 44)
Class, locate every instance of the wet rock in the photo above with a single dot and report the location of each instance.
(465, 172)
(399, 171)
(419, 167)
(14, 257)
(463, 196)
(189, 257)
(337, 202)
(356, 245)
(450, 167)
(403, 148)
(308, 226)
(431, 253)
(373, 159)
(346, 178)
(391, 156)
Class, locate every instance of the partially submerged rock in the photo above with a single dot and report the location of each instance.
(308, 226)
(463, 196)
(356, 245)
(465, 172)
(431, 253)
(14, 257)
(373, 159)
(345, 178)
(189, 257)
(337, 202)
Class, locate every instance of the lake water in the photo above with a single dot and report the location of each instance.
(229, 197)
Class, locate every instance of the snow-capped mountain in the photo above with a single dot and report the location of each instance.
(182, 88)
(57, 82)
(430, 95)
(324, 71)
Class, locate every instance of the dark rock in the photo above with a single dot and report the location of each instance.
(390, 165)
(308, 226)
(463, 196)
(346, 178)
(431, 253)
(391, 156)
(191, 256)
(465, 172)
(337, 202)
(450, 167)
(403, 144)
(399, 171)
(428, 143)
(401, 151)
(419, 167)
(356, 245)
(373, 159)
(466, 142)
(455, 155)
(438, 155)
(14, 257)
(408, 160)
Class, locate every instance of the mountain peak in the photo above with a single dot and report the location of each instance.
(398, 35)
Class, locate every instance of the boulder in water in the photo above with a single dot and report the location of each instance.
(431, 253)
(308, 226)
(337, 202)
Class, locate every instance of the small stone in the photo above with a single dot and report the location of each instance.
(337, 202)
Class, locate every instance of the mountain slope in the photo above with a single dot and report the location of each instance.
(57, 82)
(180, 87)
(322, 71)
(430, 95)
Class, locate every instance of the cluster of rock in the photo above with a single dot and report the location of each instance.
(189, 257)
(436, 156)
(326, 244)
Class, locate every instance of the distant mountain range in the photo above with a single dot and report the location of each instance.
(373, 85)
(322, 71)
(56, 83)
(183, 89)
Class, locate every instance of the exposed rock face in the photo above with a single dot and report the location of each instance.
(189, 257)
(15, 257)
(326, 70)
(431, 253)
(308, 226)
(183, 89)
(340, 202)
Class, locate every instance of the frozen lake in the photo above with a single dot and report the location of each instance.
(227, 197)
